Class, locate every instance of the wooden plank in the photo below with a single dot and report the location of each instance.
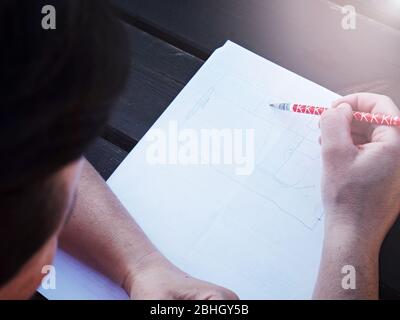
(37, 296)
(390, 259)
(304, 39)
(345, 61)
(388, 293)
(158, 72)
(105, 157)
(305, 36)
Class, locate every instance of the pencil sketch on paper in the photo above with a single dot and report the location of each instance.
(287, 147)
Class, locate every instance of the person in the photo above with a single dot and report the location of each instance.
(56, 89)
(361, 194)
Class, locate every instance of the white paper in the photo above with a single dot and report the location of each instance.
(259, 235)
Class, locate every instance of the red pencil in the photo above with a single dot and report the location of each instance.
(374, 118)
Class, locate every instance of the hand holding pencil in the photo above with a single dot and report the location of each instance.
(361, 170)
(360, 192)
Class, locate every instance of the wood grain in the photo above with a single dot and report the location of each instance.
(305, 36)
(158, 72)
(105, 157)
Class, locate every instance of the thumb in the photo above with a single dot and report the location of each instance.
(336, 139)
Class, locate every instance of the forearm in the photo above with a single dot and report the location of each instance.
(101, 232)
(342, 247)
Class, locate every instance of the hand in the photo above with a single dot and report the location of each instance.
(157, 279)
(361, 169)
(360, 192)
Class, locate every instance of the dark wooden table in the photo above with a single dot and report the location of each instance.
(170, 40)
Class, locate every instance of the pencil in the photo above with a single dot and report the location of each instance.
(373, 118)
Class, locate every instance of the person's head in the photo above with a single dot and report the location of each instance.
(56, 89)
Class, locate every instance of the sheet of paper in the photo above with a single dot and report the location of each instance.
(259, 234)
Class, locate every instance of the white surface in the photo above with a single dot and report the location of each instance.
(259, 235)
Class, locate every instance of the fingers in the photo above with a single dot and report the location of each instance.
(369, 102)
(223, 294)
(336, 137)
(364, 129)
(372, 103)
(214, 292)
(357, 139)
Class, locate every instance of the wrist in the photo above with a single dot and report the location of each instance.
(347, 255)
(149, 262)
(353, 237)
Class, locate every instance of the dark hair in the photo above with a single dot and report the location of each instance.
(56, 88)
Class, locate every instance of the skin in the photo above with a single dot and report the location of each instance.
(29, 277)
(361, 194)
(92, 215)
(126, 256)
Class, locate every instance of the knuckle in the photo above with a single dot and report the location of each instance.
(386, 99)
(215, 295)
(326, 117)
(224, 294)
(230, 295)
